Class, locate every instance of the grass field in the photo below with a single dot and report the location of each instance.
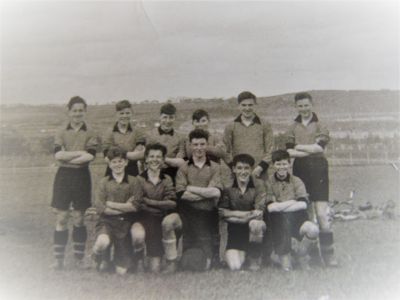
(368, 251)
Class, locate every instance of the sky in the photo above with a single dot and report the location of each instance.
(108, 51)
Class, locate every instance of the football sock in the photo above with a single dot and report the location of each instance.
(79, 237)
(60, 241)
(170, 250)
(326, 243)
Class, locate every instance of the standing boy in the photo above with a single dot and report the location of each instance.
(242, 207)
(166, 135)
(216, 149)
(249, 134)
(75, 147)
(125, 136)
(158, 219)
(118, 196)
(198, 187)
(307, 139)
(288, 212)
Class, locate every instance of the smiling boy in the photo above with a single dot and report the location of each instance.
(287, 207)
(124, 135)
(166, 135)
(118, 196)
(158, 220)
(74, 147)
(216, 148)
(306, 142)
(242, 207)
(249, 134)
(198, 187)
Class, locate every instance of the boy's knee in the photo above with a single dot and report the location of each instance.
(62, 220)
(310, 230)
(138, 234)
(257, 227)
(78, 218)
(324, 223)
(170, 223)
(322, 209)
(233, 260)
(121, 270)
(102, 242)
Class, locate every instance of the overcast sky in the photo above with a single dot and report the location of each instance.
(107, 51)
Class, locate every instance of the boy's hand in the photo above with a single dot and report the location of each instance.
(257, 171)
(91, 211)
(221, 213)
(257, 214)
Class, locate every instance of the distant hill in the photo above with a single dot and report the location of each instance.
(342, 110)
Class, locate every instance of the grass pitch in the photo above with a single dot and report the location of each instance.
(368, 251)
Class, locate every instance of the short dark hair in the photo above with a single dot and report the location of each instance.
(168, 109)
(122, 105)
(198, 134)
(155, 146)
(76, 100)
(301, 96)
(243, 158)
(246, 95)
(280, 154)
(200, 113)
(114, 152)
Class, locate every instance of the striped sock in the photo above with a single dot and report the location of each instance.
(79, 237)
(326, 243)
(59, 243)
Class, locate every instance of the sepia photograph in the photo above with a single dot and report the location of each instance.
(200, 150)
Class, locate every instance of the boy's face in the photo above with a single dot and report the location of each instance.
(167, 122)
(201, 124)
(154, 159)
(124, 116)
(304, 107)
(117, 165)
(282, 167)
(199, 147)
(77, 113)
(242, 171)
(247, 108)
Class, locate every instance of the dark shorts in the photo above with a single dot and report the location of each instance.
(118, 229)
(200, 228)
(72, 186)
(153, 228)
(238, 237)
(313, 171)
(285, 226)
(131, 169)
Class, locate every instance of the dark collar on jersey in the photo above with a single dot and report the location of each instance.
(116, 128)
(287, 178)
(191, 162)
(145, 175)
(250, 184)
(161, 132)
(314, 118)
(256, 119)
(83, 127)
(125, 179)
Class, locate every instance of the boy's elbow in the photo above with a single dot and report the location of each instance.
(216, 193)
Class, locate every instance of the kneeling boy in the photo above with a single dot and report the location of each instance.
(288, 212)
(242, 207)
(157, 221)
(118, 196)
